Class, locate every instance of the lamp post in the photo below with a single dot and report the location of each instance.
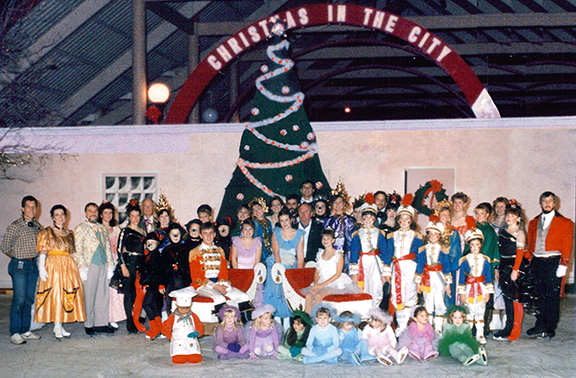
(158, 94)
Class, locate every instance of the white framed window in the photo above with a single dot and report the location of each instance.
(120, 188)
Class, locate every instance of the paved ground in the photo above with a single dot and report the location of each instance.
(125, 355)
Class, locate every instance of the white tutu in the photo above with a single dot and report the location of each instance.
(327, 269)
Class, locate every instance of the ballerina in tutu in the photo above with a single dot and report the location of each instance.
(457, 340)
(328, 278)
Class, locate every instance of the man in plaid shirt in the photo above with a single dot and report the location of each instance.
(19, 244)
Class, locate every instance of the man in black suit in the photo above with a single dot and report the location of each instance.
(312, 232)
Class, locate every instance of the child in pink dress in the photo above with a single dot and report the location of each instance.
(381, 338)
(419, 337)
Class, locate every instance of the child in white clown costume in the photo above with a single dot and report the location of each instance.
(366, 254)
(475, 283)
(404, 254)
(436, 276)
(183, 328)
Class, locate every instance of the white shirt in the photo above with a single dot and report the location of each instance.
(149, 223)
(548, 218)
(306, 234)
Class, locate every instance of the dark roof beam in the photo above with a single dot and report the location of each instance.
(171, 15)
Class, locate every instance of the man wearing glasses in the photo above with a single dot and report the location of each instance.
(19, 244)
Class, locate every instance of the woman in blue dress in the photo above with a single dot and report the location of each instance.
(288, 249)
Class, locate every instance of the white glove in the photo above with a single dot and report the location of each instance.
(42, 267)
(561, 271)
(84, 274)
(110, 271)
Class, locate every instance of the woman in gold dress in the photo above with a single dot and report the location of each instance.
(60, 296)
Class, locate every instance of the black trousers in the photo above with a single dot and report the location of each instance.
(547, 292)
(153, 301)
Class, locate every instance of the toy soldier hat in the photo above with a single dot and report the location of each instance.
(474, 233)
(368, 208)
(184, 296)
(405, 209)
(435, 226)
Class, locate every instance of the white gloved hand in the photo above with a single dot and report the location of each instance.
(110, 271)
(42, 267)
(84, 274)
(561, 271)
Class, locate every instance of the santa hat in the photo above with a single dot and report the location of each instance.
(377, 313)
(228, 308)
(435, 226)
(474, 233)
(262, 310)
(184, 296)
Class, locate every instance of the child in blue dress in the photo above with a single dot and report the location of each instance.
(354, 347)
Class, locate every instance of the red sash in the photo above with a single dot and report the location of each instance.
(426, 275)
(398, 278)
(374, 252)
(475, 288)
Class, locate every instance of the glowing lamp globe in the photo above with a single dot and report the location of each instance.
(158, 93)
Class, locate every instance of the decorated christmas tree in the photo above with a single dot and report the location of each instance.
(278, 149)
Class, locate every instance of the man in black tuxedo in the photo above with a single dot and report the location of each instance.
(312, 232)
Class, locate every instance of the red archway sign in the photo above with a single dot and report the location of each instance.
(340, 14)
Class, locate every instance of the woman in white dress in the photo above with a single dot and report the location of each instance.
(107, 216)
(328, 278)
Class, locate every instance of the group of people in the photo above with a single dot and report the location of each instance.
(464, 268)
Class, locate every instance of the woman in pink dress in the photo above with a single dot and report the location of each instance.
(107, 216)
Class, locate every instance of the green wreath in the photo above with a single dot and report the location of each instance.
(432, 187)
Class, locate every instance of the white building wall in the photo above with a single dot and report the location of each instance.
(517, 158)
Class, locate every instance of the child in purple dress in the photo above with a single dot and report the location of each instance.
(228, 339)
(419, 337)
(264, 338)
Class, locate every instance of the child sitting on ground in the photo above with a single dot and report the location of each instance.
(296, 337)
(323, 343)
(354, 347)
(419, 336)
(183, 328)
(228, 339)
(381, 338)
(457, 340)
(264, 339)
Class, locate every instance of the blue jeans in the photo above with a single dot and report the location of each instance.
(24, 275)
